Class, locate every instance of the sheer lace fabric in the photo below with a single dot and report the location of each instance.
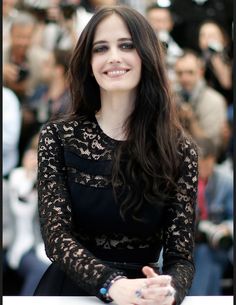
(76, 210)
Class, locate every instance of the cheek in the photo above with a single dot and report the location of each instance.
(96, 64)
(138, 64)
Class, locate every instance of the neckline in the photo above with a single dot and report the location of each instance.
(104, 134)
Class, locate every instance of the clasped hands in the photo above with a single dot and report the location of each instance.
(153, 290)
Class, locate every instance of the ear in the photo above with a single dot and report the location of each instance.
(59, 69)
(202, 71)
(201, 68)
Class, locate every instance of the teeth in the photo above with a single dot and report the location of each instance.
(116, 72)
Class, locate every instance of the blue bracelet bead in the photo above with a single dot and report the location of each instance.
(103, 291)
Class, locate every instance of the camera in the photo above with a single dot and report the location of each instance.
(217, 236)
(164, 39)
(23, 73)
(68, 9)
(215, 47)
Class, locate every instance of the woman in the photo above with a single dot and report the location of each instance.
(118, 179)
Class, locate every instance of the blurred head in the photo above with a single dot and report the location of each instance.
(207, 157)
(22, 31)
(55, 65)
(62, 60)
(211, 33)
(99, 3)
(189, 70)
(160, 18)
(48, 68)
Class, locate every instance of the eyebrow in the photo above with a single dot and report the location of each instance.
(104, 41)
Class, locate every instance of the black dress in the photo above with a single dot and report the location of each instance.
(85, 237)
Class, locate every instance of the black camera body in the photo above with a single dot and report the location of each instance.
(23, 73)
(214, 235)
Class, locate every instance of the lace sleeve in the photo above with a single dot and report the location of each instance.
(180, 226)
(55, 218)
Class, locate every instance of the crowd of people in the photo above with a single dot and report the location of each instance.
(38, 40)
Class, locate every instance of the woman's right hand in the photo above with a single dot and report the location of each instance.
(123, 290)
(150, 290)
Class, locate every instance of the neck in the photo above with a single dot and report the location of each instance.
(115, 109)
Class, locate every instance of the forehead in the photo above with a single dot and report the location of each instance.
(22, 29)
(111, 28)
(210, 28)
(188, 61)
(159, 13)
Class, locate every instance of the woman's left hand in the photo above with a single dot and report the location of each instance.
(158, 291)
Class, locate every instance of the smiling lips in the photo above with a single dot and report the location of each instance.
(116, 72)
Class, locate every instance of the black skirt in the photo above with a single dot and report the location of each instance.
(55, 282)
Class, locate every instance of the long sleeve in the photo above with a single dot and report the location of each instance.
(179, 228)
(56, 217)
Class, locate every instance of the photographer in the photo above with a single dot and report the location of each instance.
(208, 105)
(214, 235)
(21, 70)
(162, 21)
(214, 45)
(25, 254)
(66, 20)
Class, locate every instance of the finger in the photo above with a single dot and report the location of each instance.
(158, 292)
(149, 272)
(160, 280)
(146, 302)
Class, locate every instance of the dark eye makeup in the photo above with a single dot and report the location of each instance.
(100, 48)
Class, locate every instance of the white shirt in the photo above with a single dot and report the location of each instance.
(11, 129)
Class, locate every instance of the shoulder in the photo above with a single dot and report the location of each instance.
(188, 148)
(6, 54)
(65, 128)
(38, 51)
(17, 176)
(9, 96)
(214, 96)
(223, 174)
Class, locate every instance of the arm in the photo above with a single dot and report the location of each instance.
(55, 218)
(212, 115)
(179, 227)
(223, 71)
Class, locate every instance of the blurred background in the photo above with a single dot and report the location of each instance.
(38, 38)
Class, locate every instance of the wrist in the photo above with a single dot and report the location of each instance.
(105, 290)
(112, 290)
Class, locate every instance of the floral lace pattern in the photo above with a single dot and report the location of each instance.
(84, 142)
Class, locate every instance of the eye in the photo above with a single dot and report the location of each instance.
(100, 49)
(127, 46)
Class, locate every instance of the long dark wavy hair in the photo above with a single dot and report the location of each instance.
(147, 164)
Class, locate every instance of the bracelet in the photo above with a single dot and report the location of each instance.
(107, 285)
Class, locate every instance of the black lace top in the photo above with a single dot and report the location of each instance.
(80, 220)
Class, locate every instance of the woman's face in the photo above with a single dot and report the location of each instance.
(115, 62)
(210, 33)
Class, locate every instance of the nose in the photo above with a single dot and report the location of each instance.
(114, 56)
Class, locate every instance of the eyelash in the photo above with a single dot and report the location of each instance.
(122, 46)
